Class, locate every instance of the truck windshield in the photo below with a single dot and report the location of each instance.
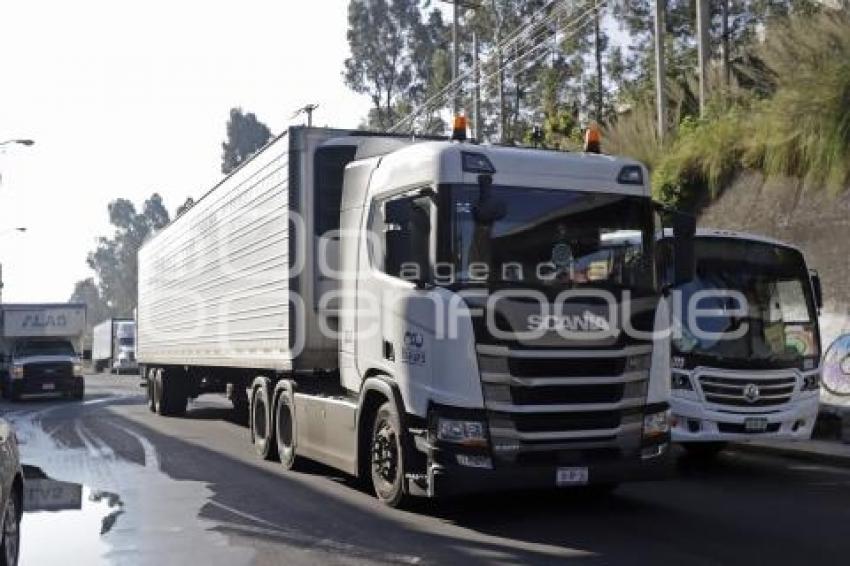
(44, 348)
(781, 317)
(126, 341)
(555, 239)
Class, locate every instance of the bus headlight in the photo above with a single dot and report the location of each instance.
(656, 424)
(811, 382)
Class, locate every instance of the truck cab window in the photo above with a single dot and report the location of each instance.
(400, 224)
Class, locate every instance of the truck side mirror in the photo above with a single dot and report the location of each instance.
(817, 289)
(684, 255)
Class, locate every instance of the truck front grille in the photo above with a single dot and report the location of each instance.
(553, 401)
(746, 391)
(46, 371)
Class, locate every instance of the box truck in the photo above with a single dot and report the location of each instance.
(40, 346)
(433, 317)
(762, 380)
(114, 345)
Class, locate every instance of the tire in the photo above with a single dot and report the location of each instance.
(172, 397)
(386, 457)
(11, 534)
(262, 431)
(80, 391)
(151, 379)
(284, 431)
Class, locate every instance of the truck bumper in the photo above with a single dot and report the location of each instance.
(694, 422)
(447, 480)
(34, 388)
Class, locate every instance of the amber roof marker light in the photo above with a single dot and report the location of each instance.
(459, 128)
(593, 138)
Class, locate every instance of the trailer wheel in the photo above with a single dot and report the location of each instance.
(387, 457)
(262, 430)
(284, 429)
(171, 393)
(158, 393)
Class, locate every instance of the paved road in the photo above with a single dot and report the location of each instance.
(141, 489)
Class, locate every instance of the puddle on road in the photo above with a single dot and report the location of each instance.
(89, 506)
(63, 519)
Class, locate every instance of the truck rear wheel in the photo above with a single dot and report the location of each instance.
(387, 457)
(262, 429)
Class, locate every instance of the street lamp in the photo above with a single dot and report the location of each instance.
(19, 142)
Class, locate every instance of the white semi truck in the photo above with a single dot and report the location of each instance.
(40, 347)
(762, 379)
(432, 316)
(114, 345)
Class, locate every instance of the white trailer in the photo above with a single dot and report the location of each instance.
(309, 285)
(114, 345)
(40, 347)
(763, 383)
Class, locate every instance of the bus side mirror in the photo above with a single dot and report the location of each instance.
(817, 289)
(684, 258)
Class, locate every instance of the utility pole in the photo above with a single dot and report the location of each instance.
(476, 98)
(724, 43)
(308, 109)
(456, 55)
(598, 54)
(660, 69)
(704, 48)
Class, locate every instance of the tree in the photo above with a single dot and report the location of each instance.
(86, 291)
(114, 260)
(245, 136)
(392, 58)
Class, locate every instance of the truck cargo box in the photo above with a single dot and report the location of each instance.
(215, 286)
(67, 320)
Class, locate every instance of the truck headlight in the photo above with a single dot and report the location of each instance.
(78, 369)
(468, 433)
(811, 382)
(17, 371)
(656, 424)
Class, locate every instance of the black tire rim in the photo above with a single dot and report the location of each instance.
(284, 432)
(385, 457)
(11, 533)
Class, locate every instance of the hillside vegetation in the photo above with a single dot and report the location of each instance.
(789, 116)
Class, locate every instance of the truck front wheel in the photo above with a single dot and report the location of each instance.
(387, 457)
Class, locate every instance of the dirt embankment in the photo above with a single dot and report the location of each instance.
(807, 216)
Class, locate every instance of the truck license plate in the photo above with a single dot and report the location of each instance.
(755, 424)
(571, 476)
(48, 386)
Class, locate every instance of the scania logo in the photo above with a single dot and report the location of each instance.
(751, 392)
(586, 322)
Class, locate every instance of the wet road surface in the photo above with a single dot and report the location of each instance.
(111, 483)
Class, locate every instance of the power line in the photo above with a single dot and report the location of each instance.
(575, 25)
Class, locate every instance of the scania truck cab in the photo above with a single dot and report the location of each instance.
(746, 359)
(462, 321)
